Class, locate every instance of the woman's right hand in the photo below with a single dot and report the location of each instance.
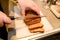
(4, 19)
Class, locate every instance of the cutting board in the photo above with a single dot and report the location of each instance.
(22, 29)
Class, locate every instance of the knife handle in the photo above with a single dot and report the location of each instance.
(12, 17)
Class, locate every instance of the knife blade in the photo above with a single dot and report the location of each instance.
(22, 18)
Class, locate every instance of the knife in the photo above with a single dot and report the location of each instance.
(22, 18)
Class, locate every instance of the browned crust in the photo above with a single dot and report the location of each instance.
(35, 26)
(37, 30)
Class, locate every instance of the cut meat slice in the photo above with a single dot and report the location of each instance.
(32, 17)
(35, 26)
(37, 30)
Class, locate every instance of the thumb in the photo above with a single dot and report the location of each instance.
(7, 20)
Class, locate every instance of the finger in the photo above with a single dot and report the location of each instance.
(23, 12)
(2, 14)
(1, 19)
(7, 20)
(1, 22)
(36, 9)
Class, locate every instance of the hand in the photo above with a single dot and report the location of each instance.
(26, 5)
(4, 19)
